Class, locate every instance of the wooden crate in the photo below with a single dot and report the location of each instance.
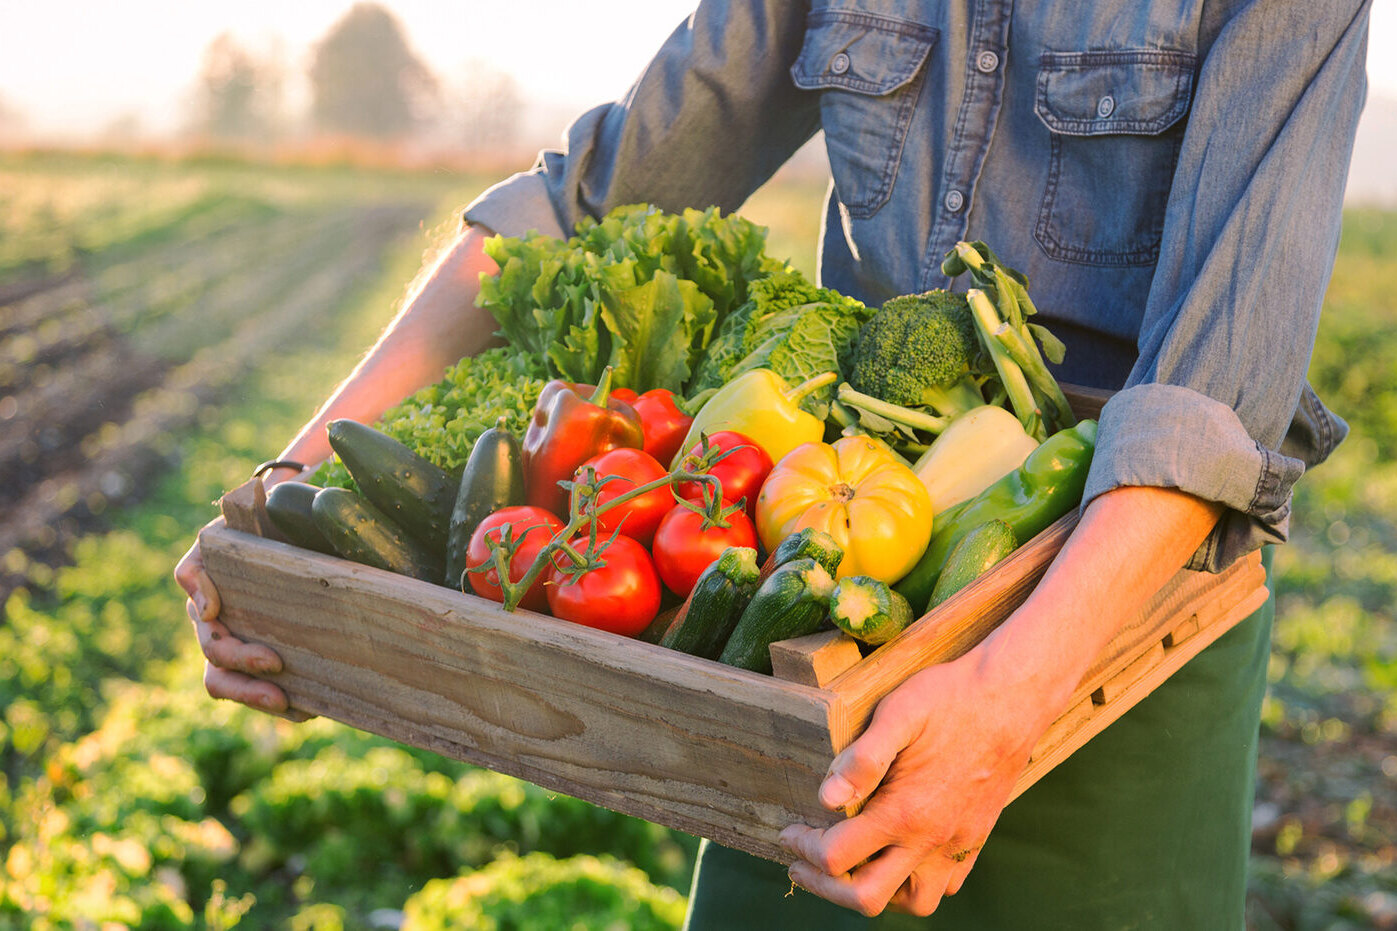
(689, 743)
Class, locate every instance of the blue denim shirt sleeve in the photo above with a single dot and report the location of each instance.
(1217, 397)
(711, 118)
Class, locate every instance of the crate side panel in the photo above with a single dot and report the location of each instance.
(627, 725)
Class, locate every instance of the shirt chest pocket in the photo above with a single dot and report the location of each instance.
(868, 70)
(1115, 119)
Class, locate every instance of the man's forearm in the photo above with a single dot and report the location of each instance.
(1129, 542)
(438, 324)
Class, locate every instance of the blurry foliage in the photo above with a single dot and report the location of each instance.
(581, 893)
(367, 81)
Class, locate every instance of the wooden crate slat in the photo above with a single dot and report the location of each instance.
(815, 659)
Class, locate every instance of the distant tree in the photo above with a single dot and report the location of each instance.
(366, 80)
(237, 94)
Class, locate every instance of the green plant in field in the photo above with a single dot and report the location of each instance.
(537, 891)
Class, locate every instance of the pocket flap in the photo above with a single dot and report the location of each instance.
(861, 52)
(1139, 91)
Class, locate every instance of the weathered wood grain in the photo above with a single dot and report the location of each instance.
(702, 747)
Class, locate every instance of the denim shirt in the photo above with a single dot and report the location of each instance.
(1169, 175)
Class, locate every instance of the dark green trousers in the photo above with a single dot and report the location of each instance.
(1146, 827)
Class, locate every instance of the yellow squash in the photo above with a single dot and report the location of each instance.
(858, 492)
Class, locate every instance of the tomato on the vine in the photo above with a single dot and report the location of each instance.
(630, 468)
(741, 471)
(621, 596)
(533, 527)
(684, 546)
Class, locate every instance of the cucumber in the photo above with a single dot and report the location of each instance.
(288, 505)
(816, 544)
(715, 605)
(361, 532)
(982, 547)
(792, 602)
(493, 478)
(417, 494)
(868, 609)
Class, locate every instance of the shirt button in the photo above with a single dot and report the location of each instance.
(954, 201)
(1105, 106)
(987, 61)
(839, 63)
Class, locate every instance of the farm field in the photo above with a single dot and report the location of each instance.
(165, 326)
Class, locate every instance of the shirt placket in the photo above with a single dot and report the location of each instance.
(987, 53)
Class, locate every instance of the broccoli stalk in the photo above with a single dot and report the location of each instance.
(897, 415)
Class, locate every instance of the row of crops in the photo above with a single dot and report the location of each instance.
(163, 327)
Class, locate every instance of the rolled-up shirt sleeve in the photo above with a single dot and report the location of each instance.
(711, 118)
(1217, 404)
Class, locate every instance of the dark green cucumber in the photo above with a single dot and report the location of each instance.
(792, 602)
(868, 609)
(288, 505)
(417, 494)
(361, 532)
(807, 542)
(970, 558)
(715, 605)
(493, 478)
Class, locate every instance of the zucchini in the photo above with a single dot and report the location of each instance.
(288, 505)
(417, 494)
(715, 605)
(493, 478)
(816, 544)
(982, 547)
(361, 532)
(868, 609)
(792, 602)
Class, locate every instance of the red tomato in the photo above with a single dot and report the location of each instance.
(683, 548)
(662, 422)
(742, 471)
(625, 394)
(622, 596)
(536, 527)
(639, 516)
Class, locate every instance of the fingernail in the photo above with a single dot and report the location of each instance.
(835, 792)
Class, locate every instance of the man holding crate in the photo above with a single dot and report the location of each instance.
(1170, 176)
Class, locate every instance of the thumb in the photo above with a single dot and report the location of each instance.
(861, 766)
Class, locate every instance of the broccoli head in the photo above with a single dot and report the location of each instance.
(921, 351)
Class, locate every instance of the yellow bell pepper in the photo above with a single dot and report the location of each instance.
(760, 406)
(858, 492)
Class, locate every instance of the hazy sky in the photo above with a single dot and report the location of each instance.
(74, 66)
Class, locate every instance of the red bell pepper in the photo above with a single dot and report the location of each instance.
(569, 426)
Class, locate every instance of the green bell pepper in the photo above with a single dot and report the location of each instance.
(1045, 487)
